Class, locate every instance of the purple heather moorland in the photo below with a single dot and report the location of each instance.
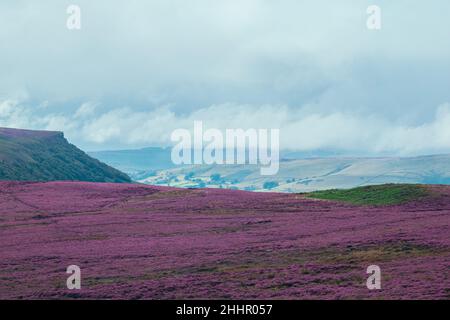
(142, 242)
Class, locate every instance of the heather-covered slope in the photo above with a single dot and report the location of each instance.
(46, 156)
(141, 242)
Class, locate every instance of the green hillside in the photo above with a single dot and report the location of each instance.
(46, 156)
(388, 194)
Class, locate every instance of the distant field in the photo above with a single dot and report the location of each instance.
(307, 175)
(141, 242)
(390, 194)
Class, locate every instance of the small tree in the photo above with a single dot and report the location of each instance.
(189, 176)
(270, 185)
(216, 177)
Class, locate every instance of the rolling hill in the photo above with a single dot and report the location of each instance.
(28, 155)
(304, 175)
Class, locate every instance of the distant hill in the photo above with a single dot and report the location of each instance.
(304, 175)
(299, 171)
(29, 155)
(139, 163)
(142, 163)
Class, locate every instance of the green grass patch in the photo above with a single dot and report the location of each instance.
(381, 195)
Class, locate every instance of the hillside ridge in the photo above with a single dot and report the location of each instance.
(30, 155)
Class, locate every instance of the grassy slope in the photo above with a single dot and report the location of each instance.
(50, 157)
(388, 194)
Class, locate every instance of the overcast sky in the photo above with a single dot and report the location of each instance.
(139, 69)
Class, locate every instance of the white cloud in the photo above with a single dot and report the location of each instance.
(85, 110)
(300, 130)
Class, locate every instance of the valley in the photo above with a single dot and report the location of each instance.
(305, 175)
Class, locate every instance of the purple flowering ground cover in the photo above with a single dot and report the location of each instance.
(144, 242)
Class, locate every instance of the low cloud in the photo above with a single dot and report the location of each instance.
(300, 128)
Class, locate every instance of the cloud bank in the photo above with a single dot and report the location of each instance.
(138, 69)
(300, 129)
